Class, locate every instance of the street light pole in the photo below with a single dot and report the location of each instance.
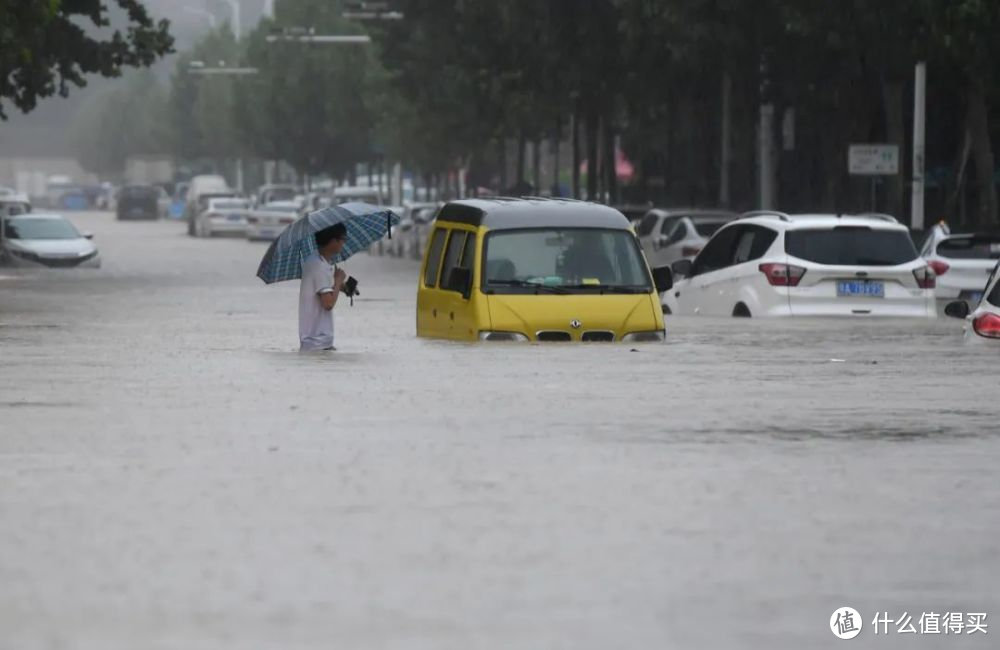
(919, 144)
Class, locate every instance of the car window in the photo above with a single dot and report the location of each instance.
(647, 224)
(681, 232)
(40, 228)
(708, 228)
(980, 247)
(469, 254)
(851, 246)
(753, 242)
(453, 254)
(668, 225)
(434, 258)
(717, 254)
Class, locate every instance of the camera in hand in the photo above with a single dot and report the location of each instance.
(350, 287)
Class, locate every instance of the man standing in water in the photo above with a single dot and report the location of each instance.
(320, 288)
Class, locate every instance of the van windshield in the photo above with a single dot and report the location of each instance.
(577, 260)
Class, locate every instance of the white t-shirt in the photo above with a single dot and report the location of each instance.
(315, 323)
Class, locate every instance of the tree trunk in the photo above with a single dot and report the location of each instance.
(556, 137)
(610, 168)
(982, 154)
(520, 159)
(503, 167)
(592, 129)
(536, 165)
(576, 153)
(892, 97)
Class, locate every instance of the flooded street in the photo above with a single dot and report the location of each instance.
(175, 475)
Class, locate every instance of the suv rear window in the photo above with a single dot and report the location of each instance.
(851, 246)
(970, 248)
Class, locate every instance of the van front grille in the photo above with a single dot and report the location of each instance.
(598, 336)
(553, 335)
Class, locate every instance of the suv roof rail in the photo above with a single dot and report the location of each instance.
(878, 215)
(764, 213)
(551, 198)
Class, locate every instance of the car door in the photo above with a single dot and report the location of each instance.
(671, 230)
(456, 309)
(707, 292)
(744, 277)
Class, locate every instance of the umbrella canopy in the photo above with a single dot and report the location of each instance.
(366, 224)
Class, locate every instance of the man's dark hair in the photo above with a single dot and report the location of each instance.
(328, 234)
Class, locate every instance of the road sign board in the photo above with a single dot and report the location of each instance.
(873, 159)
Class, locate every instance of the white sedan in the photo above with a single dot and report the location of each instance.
(266, 222)
(224, 215)
(41, 239)
(984, 322)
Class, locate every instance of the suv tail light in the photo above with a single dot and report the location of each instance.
(939, 267)
(782, 275)
(690, 251)
(925, 277)
(987, 325)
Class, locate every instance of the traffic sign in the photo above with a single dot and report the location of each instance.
(873, 159)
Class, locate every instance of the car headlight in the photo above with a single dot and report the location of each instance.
(644, 337)
(502, 336)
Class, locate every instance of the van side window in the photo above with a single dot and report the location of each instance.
(456, 244)
(434, 258)
(469, 254)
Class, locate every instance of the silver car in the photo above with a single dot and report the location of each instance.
(39, 239)
(670, 235)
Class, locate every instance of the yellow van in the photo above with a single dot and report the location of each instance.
(537, 270)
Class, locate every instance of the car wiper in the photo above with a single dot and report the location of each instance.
(608, 288)
(537, 286)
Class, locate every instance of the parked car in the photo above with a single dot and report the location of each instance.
(634, 212)
(774, 264)
(200, 190)
(670, 235)
(984, 318)
(357, 193)
(45, 239)
(178, 201)
(413, 227)
(13, 204)
(537, 270)
(138, 202)
(961, 262)
(271, 193)
(222, 215)
(266, 222)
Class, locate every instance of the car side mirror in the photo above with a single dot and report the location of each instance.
(663, 279)
(957, 309)
(460, 280)
(88, 235)
(682, 268)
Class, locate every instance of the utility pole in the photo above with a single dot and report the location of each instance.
(919, 146)
(726, 138)
(765, 138)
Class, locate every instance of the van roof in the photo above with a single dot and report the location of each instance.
(503, 213)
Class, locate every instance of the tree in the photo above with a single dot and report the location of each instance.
(44, 49)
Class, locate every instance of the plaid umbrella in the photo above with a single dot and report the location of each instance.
(366, 224)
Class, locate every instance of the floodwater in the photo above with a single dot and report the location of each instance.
(174, 475)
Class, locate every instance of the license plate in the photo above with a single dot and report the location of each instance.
(862, 288)
(234, 217)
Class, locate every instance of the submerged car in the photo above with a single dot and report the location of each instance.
(537, 270)
(43, 239)
(222, 215)
(266, 222)
(984, 318)
(138, 202)
(670, 235)
(774, 264)
(962, 263)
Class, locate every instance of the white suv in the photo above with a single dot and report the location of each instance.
(984, 322)
(774, 264)
(962, 263)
